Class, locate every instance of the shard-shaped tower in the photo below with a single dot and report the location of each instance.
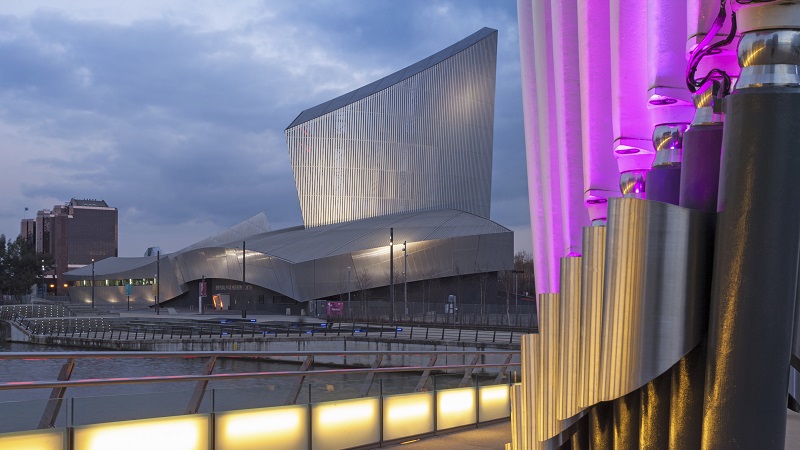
(418, 139)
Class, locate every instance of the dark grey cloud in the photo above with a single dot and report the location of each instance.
(180, 125)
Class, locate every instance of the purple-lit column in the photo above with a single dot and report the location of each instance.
(600, 176)
(633, 149)
(566, 69)
(540, 242)
(632, 130)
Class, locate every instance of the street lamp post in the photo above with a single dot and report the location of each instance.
(516, 286)
(391, 273)
(158, 281)
(349, 308)
(44, 283)
(405, 278)
(92, 283)
(244, 292)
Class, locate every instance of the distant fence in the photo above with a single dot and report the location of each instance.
(516, 316)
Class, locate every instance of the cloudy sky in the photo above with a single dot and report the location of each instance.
(174, 111)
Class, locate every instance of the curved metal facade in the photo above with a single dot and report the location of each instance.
(419, 139)
(306, 264)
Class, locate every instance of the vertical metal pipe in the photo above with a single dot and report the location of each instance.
(686, 399)
(244, 295)
(92, 283)
(405, 278)
(158, 280)
(626, 421)
(655, 414)
(702, 148)
(601, 426)
(756, 251)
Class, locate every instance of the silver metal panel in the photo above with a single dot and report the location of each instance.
(424, 142)
(593, 264)
(305, 264)
(404, 74)
(569, 343)
(656, 270)
(529, 359)
(547, 424)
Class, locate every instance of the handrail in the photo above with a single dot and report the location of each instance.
(228, 376)
(63, 382)
(238, 354)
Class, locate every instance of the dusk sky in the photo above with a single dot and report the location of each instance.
(174, 111)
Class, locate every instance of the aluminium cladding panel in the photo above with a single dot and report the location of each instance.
(495, 252)
(656, 284)
(225, 263)
(421, 143)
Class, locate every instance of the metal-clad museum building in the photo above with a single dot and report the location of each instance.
(410, 152)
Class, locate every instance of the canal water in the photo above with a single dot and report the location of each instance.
(22, 409)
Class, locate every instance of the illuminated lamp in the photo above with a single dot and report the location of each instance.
(345, 424)
(407, 415)
(162, 433)
(281, 427)
(455, 408)
(494, 402)
(33, 440)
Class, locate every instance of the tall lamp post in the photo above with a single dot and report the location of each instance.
(391, 273)
(158, 281)
(92, 283)
(349, 308)
(516, 286)
(44, 284)
(405, 278)
(244, 295)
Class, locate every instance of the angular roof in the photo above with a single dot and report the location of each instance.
(88, 202)
(390, 80)
(298, 244)
(308, 244)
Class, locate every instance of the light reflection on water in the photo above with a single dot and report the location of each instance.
(22, 409)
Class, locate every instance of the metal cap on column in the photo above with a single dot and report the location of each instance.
(665, 179)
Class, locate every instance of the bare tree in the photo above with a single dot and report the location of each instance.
(363, 282)
(506, 279)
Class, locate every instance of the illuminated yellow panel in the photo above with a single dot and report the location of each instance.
(455, 408)
(163, 433)
(33, 440)
(284, 427)
(407, 415)
(494, 402)
(345, 424)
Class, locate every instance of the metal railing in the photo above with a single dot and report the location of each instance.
(466, 364)
(138, 329)
(521, 315)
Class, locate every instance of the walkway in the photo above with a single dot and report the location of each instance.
(492, 437)
(497, 435)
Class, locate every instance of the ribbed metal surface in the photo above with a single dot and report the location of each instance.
(654, 294)
(548, 381)
(593, 264)
(517, 424)
(529, 358)
(569, 346)
(416, 143)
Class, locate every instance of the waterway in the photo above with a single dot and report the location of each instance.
(22, 409)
